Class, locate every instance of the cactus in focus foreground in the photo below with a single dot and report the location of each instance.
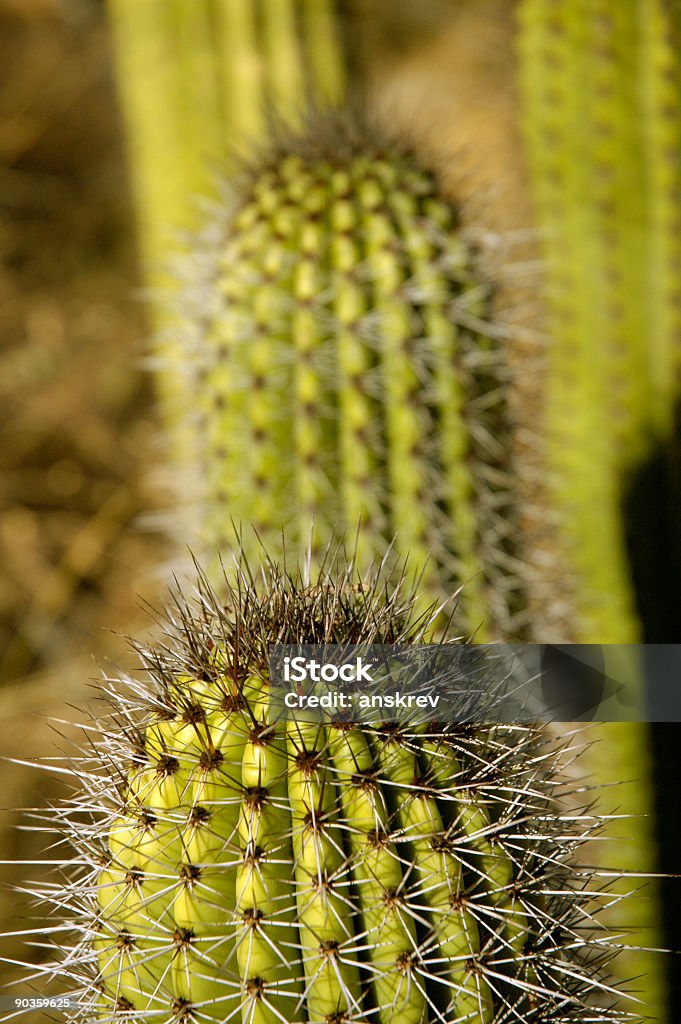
(345, 371)
(233, 866)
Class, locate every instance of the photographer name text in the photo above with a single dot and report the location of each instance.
(299, 670)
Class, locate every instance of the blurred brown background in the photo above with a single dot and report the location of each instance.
(77, 548)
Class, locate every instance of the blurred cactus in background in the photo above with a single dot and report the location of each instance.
(199, 79)
(345, 376)
(601, 95)
(601, 90)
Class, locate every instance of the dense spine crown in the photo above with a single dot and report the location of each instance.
(345, 371)
(236, 868)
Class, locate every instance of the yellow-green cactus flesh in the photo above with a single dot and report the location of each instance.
(344, 369)
(240, 867)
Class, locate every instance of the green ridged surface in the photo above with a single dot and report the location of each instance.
(244, 867)
(199, 79)
(207, 911)
(339, 389)
(602, 120)
(601, 93)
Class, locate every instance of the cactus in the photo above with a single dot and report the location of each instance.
(601, 112)
(232, 865)
(345, 371)
(602, 119)
(197, 78)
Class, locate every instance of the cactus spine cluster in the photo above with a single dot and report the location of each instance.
(345, 372)
(234, 866)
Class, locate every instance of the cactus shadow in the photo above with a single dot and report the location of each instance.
(652, 517)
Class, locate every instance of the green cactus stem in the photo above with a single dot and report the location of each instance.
(235, 866)
(602, 118)
(344, 372)
(601, 93)
(198, 78)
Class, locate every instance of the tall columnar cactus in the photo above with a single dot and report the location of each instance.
(232, 865)
(197, 78)
(602, 117)
(345, 372)
(601, 94)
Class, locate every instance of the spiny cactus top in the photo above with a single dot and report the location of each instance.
(232, 867)
(344, 369)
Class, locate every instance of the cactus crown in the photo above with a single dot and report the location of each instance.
(344, 370)
(230, 867)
